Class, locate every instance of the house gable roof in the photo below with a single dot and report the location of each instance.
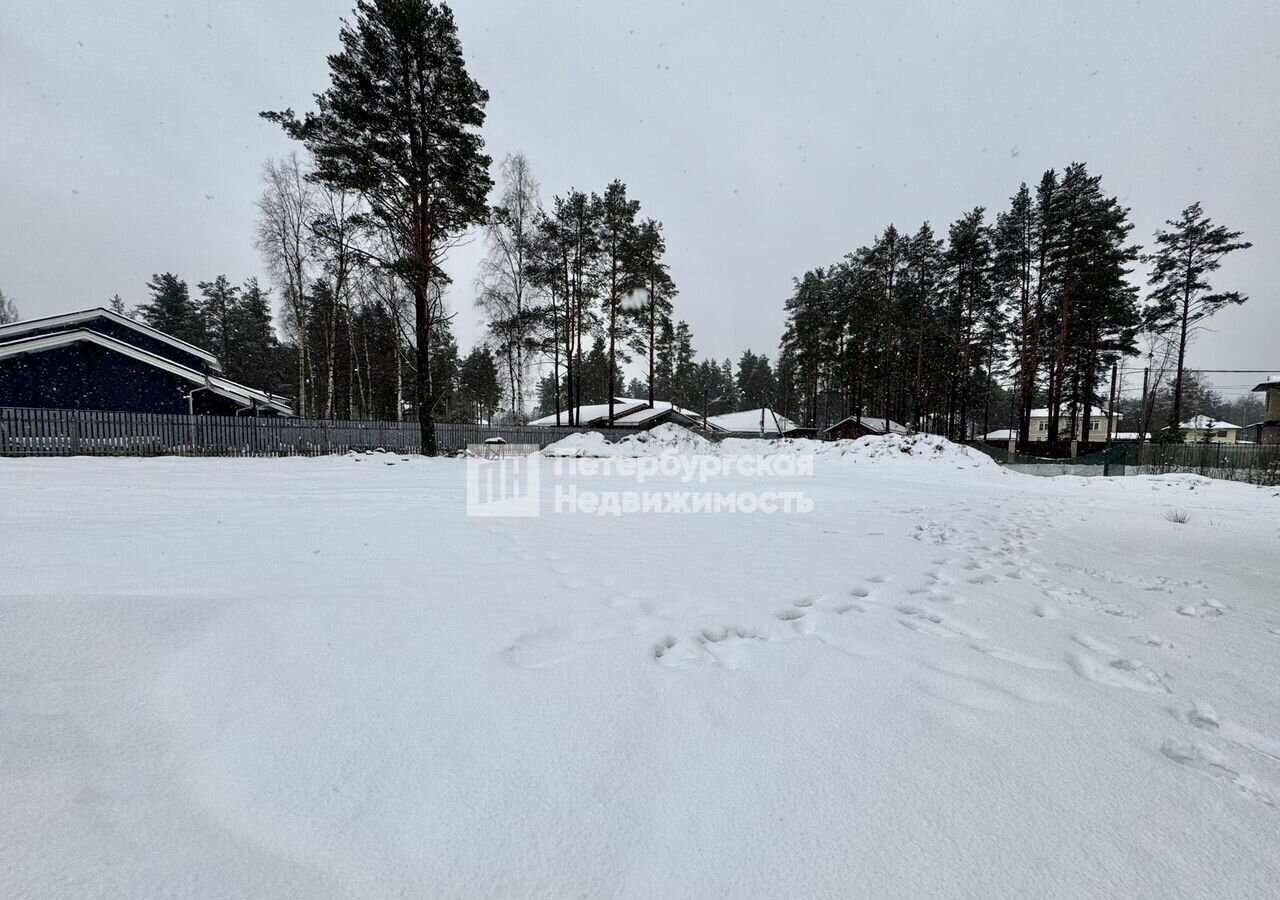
(884, 426)
(1201, 423)
(238, 393)
(749, 420)
(72, 320)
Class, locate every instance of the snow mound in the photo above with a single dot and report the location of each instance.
(659, 441)
(673, 439)
(912, 446)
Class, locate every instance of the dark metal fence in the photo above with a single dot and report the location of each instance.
(61, 432)
(1104, 462)
(1251, 463)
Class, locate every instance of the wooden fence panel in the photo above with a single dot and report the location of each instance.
(44, 432)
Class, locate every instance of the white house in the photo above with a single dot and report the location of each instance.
(1207, 430)
(1069, 429)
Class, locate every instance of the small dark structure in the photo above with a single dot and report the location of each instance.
(99, 360)
(862, 426)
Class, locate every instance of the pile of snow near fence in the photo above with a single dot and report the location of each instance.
(658, 441)
(673, 439)
(323, 678)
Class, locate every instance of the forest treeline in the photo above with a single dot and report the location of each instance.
(953, 332)
(1034, 308)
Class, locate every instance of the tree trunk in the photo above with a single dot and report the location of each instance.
(422, 380)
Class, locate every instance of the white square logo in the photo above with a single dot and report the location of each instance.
(506, 486)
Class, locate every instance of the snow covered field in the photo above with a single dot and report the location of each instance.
(320, 678)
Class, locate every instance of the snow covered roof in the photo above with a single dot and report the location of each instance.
(17, 329)
(239, 393)
(627, 412)
(1201, 423)
(884, 426)
(1269, 384)
(1002, 434)
(749, 420)
(590, 412)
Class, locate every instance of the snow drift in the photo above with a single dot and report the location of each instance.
(234, 678)
(667, 439)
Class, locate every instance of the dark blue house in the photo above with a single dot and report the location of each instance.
(98, 359)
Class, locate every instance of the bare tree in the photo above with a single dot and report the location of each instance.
(1162, 357)
(286, 211)
(8, 310)
(333, 244)
(506, 283)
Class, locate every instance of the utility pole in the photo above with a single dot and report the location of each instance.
(1142, 416)
(1111, 407)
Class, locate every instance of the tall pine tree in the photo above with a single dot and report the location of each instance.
(398, 125)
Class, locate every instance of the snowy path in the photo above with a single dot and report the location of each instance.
(318, 678)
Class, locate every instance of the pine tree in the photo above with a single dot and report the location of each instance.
(116, 305)
(217, 303)
(664, 375)
(652, 316)
(442, 378)
(1182, 298)
(968, 260)
(566, 251)
(684, 372)
(616, 215)
(252, 358)
(1013, 247)
(920, 304)
(398, 126)
(170, 310)
(756, 385)
(479, 389)
(1090, 301)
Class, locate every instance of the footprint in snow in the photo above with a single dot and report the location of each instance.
(932, 624)
(1132, 674)
(1013, 656)
(1205, 717)
(1205, 610)
(1203, 758)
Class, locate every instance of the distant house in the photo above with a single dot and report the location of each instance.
(862, 426)
(1206, 430)
(100, 360)
(1267, 431)
(627, 413)
(1069, 427)
(763, 421)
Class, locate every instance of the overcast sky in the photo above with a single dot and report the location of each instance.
(768, 137)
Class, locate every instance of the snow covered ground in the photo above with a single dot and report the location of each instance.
(320, 678)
